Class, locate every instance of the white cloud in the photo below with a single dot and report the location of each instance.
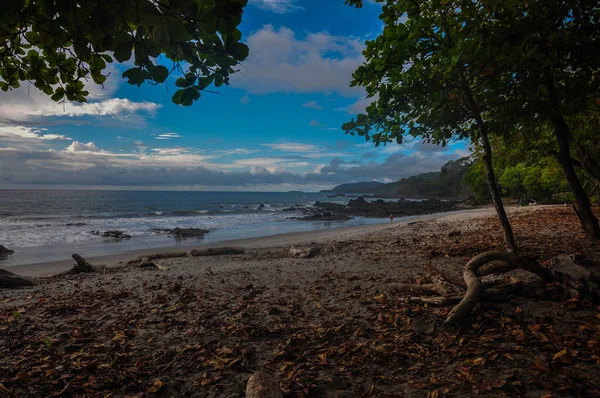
(315, 123)
(235, 151)
(110, 107)
(12, 133)
(52, 137)
(28, 103)
(245, 100)
(292, 147)
(277, 6)
(166, 136)
(313, 105)
(316, 63)
(359, 106)
(77, 146)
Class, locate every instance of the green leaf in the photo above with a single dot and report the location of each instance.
(123, 50)
(160, 33)
(136, 76)
(178, 96)
(159, 73)
(239, 51)
(189, 95)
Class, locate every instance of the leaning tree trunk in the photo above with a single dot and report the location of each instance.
(495, 190)
(563, 136)
(509, 237)
(584, 208)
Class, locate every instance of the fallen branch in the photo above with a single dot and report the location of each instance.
(475, 287)
(157, 256)
(82, 266)
(491, 295)
(147, 264)
(426, 289)
(11, 280)
(217, 251)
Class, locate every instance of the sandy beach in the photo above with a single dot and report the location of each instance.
(334, 325)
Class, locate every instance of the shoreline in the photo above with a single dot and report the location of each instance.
(49, 268)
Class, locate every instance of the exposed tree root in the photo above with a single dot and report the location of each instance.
(12, 280)
(82, 266)
(475, 287)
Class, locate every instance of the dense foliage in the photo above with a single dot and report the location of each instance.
(462, 69)
(446, 183)
(58, 46)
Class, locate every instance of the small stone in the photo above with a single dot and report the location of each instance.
(263, 385)
(423, 327)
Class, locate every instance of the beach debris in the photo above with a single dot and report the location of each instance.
(184, 233)
(306, 252)
(217, 251)
(5, 250)
(11, 280)
(147, 264)
(82, 266)
(156, 256)
(579, 280)
(263, 385)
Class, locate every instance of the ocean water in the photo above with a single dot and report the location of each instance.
(48, 225)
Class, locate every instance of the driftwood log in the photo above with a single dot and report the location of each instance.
(147, 264)
(306, 252)
(263, 385)
(217, 251)
(82, 266)
(11, 280)
(157, 256)
(475, 287)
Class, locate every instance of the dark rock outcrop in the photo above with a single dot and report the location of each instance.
(324, 217)
(5, 250)
(185, 233)
(112, 234)
(379, 208)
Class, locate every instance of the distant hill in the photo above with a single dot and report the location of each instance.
(358, 187)
(446, 183)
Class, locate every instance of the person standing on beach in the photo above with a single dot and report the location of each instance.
(391, 218)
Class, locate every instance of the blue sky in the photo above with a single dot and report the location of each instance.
(277, 127)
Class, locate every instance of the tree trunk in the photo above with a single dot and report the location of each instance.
(584, 208)
(495, 191)
(563, 136)
(509, 237)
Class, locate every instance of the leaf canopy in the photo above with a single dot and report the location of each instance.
(59, 45)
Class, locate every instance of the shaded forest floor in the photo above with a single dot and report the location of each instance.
(332, 325)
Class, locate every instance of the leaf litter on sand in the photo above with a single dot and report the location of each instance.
(327, 326)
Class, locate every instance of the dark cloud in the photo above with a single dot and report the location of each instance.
(61, 168)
